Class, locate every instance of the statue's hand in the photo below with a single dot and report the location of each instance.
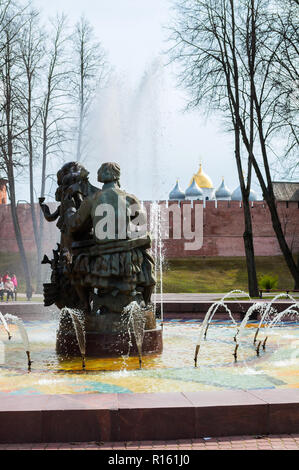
(41, 200)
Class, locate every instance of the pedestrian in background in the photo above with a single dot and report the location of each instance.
(9, 289)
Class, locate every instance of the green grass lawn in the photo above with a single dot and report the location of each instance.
(188, 275)
(207, 275)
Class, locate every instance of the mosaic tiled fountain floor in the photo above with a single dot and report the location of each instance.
(173, 371)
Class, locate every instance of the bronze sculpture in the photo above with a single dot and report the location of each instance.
(102, 264)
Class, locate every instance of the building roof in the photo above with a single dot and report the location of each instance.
(176, 193)
(202, 180)
(237, 195)
(194, 190)
(286, 191)
(223, 191)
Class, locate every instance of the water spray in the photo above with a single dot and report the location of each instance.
(4, 322)
(17, 321)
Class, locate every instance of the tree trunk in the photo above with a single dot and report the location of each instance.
(18, 233)
(249, 250)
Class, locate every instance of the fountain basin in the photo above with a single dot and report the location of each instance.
(110, 345)
(58, 402)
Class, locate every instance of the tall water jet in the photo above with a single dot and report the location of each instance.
(157, 250)
(17, 321)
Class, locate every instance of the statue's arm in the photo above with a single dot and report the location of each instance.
(46, 211)
(76, 221)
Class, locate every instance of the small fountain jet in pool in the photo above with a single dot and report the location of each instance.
(79, 330)
(265, 310)
(5, 325)
(102, 266)
(268, 311)
(209, 317)
(17, 321)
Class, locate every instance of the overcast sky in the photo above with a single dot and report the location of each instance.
(164, 143)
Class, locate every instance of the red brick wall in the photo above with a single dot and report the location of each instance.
(7, 236)
(224, 227)
(223, 230)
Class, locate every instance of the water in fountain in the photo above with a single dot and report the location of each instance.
(79, 330)
(4, 323)
(269, 311)
(221, 303)
(157, 251)
(136, 322)
(209, 317)
(277, 318)
(17, 321)
(255, 307)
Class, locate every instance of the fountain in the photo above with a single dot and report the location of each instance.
(102, 268)
(17, 321)
(107, 322)
(265, 310)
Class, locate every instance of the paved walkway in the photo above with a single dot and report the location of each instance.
(274, 442)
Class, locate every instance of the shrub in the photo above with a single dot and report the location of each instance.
(268, 282)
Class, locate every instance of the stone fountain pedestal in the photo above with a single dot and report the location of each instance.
(108, 335)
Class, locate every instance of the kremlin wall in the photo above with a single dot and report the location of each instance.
(223, 222)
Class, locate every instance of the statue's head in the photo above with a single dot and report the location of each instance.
(70, 171)
(68, 175)
(109, 172)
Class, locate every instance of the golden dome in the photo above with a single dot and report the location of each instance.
(202, 180)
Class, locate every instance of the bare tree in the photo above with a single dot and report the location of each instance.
(90, 70)
(32, 51)
(285, 77)
(13, 18)
(267, 98)
(54, 107)
(202, 36)
(222, 46)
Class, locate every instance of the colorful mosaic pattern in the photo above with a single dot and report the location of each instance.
(173, 371)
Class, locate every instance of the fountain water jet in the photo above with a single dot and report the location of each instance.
(136, 321)
(208, 319)
(268, 311)
(288, 311)
(79, 330)
(17, 321)
(4, 322)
